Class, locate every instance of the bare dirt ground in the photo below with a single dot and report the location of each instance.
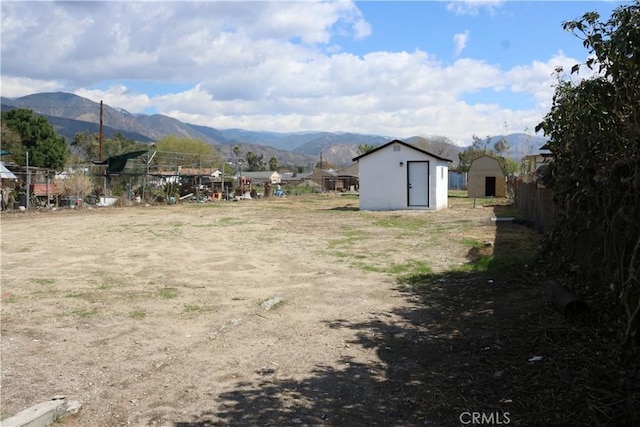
(155, 316)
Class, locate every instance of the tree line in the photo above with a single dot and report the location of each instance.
(24, 131)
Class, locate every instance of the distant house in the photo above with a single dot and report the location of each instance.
(397, 176)
(263, 177)
(326, 179)
(349, 177)
(7, 184)
(533, 164)
(486, 178)
(291, 178)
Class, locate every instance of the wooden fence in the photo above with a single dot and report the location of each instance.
(536, 204)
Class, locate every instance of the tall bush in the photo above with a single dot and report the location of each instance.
(594, 137)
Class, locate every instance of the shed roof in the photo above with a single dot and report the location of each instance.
(260, 174)
(351, 170)
(397, 141)
(497, 161)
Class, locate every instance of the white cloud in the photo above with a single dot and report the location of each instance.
(14, 87)
(259, 65)
(473, 7)
(118, 96)
(460, 41)
(538, 79)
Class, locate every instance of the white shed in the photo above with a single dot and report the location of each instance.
(397, 176)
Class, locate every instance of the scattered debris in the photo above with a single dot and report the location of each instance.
(563, 299)
(44, 413)
(271, 302)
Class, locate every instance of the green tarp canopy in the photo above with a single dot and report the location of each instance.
(116, 164)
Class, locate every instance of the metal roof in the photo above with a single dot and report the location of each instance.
(6, 173)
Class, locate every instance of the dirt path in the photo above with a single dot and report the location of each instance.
(152, 316)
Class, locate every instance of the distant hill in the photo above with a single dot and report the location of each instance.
(71, 114)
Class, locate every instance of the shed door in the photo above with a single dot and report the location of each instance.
(490, 186)
(418, 183)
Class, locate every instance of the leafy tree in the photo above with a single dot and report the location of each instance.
(236, 153)
(501, 146)
(594, 132)
(12, 143)
(176, 151)
(510, 166)
(86, 146)
(477, 148)
(365, 148)
(46, 148)
(255, 163)
(273, 164)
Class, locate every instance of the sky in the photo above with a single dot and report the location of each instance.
(390, 68)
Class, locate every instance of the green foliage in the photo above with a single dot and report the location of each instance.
(255, 163)
(509, 166)
(273, 164)
(365, 148)
(138, 314)
(86, 314)
(477, 149)
(86, 146)
(174, 151)
(501, 146)
(11, 142)
(480, 148)
(167, 293)
(594, 137)
(36, 135)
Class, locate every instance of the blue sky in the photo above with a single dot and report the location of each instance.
(451, 68)
(508, 33)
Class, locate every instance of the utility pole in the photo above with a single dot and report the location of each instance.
(28, 183)
(100, 135)
(104, 201)
(146, 176)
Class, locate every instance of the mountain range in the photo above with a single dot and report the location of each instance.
(70, 114)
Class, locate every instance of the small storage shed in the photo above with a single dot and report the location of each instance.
(397, 176)
(486, 178)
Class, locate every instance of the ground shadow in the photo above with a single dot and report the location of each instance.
(348, 207)
(477, 342)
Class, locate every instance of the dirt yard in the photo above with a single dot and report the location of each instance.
(160, 316)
